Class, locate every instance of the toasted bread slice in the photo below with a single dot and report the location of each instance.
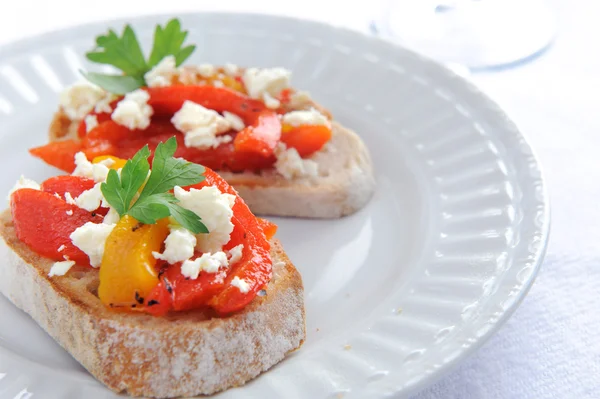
(344, 185)
(182, 354)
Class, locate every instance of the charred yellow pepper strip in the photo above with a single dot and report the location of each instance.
(118, 162)
(127, 272)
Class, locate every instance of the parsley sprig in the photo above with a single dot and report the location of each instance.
(154, 202)
(125, 53)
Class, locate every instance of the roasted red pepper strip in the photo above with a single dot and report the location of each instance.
(42, 223)
(158, 303)
(262, 137)
(268, 227)
(60, 154)
(215, 289)
(75, 185)
(307, 139)
(263, 128)
(111, 138)
(190, 294)
(255, 267)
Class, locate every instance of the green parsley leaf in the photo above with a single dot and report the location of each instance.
(168, 41)
(120, 191)
(149, 209)
(187, 219)
(116, 84)
(168, 172)
(155, 201)
(125, 53)
(113, 193)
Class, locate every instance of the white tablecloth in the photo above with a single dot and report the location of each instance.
(550, 348)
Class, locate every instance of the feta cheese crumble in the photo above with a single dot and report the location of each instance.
(79, 99)
(206, 70)
(69, 199)
(231, 69)
(241, 284)
(270, 101)
(69, 212)
(309, 117)
(300, 99)
(214, 209)
(97, 171)
(162, 73)
(179, 246)
(104, 104)
(133, 111)
(91, 121)
(235, 121)
(91, 238)
(200, 125)
(61, 248)
(209, 263)
(24, 182)
(90, 199)
(290, 165)
(112, 216)
(236, 254)
(269, 80)
(61, 268)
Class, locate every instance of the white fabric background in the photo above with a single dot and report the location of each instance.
(550, 348)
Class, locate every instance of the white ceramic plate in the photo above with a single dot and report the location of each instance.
(396, 294)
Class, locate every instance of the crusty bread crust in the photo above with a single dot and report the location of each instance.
(183, 354)
(344, 185)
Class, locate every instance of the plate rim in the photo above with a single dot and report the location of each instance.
(24, 45)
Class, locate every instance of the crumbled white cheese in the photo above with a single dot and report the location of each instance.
(90, 199)
(162, 73)
(206, 70)
(61, 248)
(241, 284)
(104, 104)
(218, 83)
(79, 99)
(133, 111)
(309, 117)
(23, 182)
(112, 216)
(179, 246)
(231, 69)
(91, 238)
(269, 80)
(300, 99)
(236, 254)
(69, 199)
(61, 268)
(69, 212)
(214, 209)
(200, 125)
(235, 121)
(289, 164)
(91, 121)
(209, 263)
(97, 171)
(270, 101)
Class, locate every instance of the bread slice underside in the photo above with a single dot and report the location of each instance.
(181, 354)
